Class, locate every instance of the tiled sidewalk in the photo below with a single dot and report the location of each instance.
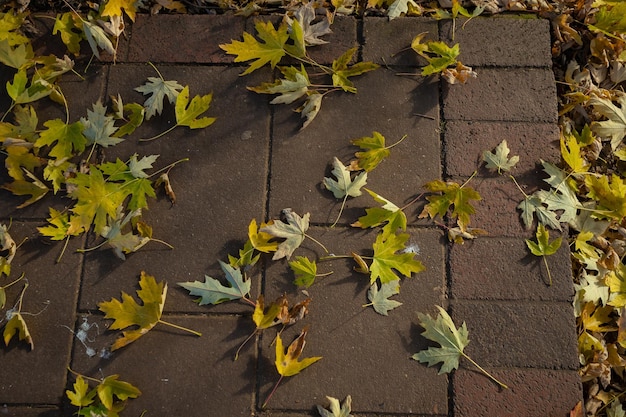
(252, 163)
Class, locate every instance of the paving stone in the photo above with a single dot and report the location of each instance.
(220, 189)
(189, 38)
(510, 272)
(532, 392)
(389, 42)
(342, 118)
(497, 212)
(364, 354)
(80, 95)
(38, 376)
(180, 374)
(465, 142)
(504, 42)
(519, 333)
(503, 94)
(30, 411)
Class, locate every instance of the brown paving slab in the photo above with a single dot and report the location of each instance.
(364, 354)
(188, 38)
(503, 94)
(510, 272)
(497, 211)
(180, 374)
(219, 190)
(501, 41)
(343, 117)
(532, 392)
(38, 376)
(465, 142)
(389, 42)
(10, 411)
(519, 334)
(80, 95)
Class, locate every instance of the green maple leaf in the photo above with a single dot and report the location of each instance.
(379, 297)
(158, 89)
(10, 27)
(70, 29)
(452, 195)
(292, 87)
(439, 55)
(452, 341)
(543, 247)
(111, 387)
(386, 259)
(610, 19)
(389, 213)
(305, 271)
(342, 70)
(344, 186)
(99, 128)
(270, 50)
(336, 409)
(187, 113)
(96, 198)
(17, 57)
(293, 231)
(60, 226)
(20, 94)
(211, 291)
(134, 181)
(374, 151)
(500, 159)
(533, 204)
(18, 158)
(615, 127)
(132, 113)
(25, 128)
(66, 140)
(34, 188)
(82, 396)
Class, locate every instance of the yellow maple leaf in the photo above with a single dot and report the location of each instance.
(114, 8)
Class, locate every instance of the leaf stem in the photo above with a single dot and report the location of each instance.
(318, 242)
(469, 179)
(14, 281)
(168, 167)
(502, 385)
(160, 134)
(180, 327)
(157, 71)
(545, 261)
(518, 186)
(67, 241)
(162, 242)
(343, 205)
(272, 393)
(397, 143)
(244, 343)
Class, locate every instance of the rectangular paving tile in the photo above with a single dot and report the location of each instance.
(532, 392)
(500, 41)
(503, 94)
(219, 190)
(364, 354)
(498, 276)
(519, 334)
(465, 142)
(37, 376)
(342, 118)
(180, 374)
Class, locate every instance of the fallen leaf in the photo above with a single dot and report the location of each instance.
(386, 259)
(187, 113)
(99, 127)
(158, 89)
(344, 185)
(8, 248)
(335, 409)
(82, 395)
(500, 159)
(293, 231)
(379, 297)
(111, 387)
(211, 291)
(288, 364)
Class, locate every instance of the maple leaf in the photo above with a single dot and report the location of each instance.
(60, 226)
(452, 341)
(342, 70)
(82, 395)
(97, 39)
(310, 108)
(379, 297)
(111, 386)
(500, 159)
(292, 87)
(610, 19)
(452, 194)
(35, 189)
(344, 186)
(135, 181)
(211, 291)
(134, 119)
(610, 196)
(458, 75)
(293, 231)
(305, 15)
(99, 127)
(128, 313)
(19, 57)
(270, 50)
(389, 213)
(532, 204)
(597, 318)
(543, 247)
(10, 27)
(305, 271)
(21, 94)
(69, 26)
(264, 319)
(374, 149)
(615, 127)
(123, 242)
(288, 364)
(247, 257)
(616, 281)
(439, 55)
(114, 8)
(570, 151)
(19, 157)
(96, 198)
(16, 324)
(336, 410)
(158, 89)
(24, 131)
(386, 259)
(261, 240)
(8, 248)
(187, 113)
(65, 140)
(398, 7)
(457, 235)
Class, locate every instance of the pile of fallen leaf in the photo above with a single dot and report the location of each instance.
(588, 193)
